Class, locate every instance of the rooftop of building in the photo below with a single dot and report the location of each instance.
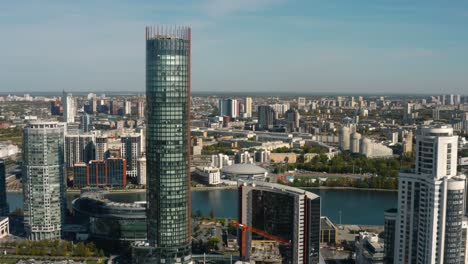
(279, 188)
(326, 224)
(244, 169)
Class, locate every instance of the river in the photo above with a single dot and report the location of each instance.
(356, 206)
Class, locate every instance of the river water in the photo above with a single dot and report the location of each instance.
(356, 206)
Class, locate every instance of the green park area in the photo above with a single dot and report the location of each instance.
(14, 135)
(52, 249)
(350, 163)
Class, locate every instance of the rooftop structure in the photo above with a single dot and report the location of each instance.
(244, 172)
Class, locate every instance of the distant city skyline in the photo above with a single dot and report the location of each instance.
(303, 47)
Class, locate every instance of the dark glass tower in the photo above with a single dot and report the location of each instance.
(3, 200)
(168, 137)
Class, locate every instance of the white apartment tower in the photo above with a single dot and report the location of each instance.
(430, 202)
(128, 107)
(69, 107)
(248, 107)
(102, 148)
(131, 151)
(44, 200)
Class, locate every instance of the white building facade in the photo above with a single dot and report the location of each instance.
(431, 202)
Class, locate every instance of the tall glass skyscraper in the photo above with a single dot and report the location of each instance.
(3, 200)
(168, 137)
(43, 180)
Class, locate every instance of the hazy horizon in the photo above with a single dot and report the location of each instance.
(274, 46)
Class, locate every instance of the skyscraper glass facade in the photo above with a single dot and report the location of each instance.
(3, 200)
(43, 180)
(168, 109)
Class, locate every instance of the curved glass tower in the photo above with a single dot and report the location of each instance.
(168, 135)
(43, 180)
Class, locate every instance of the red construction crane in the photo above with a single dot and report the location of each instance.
(245, 228)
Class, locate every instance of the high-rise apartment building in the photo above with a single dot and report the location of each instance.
(141, 108)
(248, 107)
(430, 202)
(102, 148)
(288, 213)
(79, 148)
(86, 122)
(114, 107)
(301, 102)
(293, 116)
(4, 209)
(128, 107)
(43, 180)
(229, 107)
(94, 105)
(69, 107)
(168, 140)
(131, 151)
(141, 171)
(266, 117)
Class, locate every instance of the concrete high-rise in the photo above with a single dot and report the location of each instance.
(248, 107)
(288, 213)
(79, 148)
(131, 151)
(168, 140)
(4, 209)
(266, 117)
(293, 116)
(43, 180)
(229, 107)
(141, 108)
(128, 107)
(69, 107)
(86, 122)
(102, 148)
(430, 202)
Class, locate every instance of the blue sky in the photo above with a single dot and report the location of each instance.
(303, 46)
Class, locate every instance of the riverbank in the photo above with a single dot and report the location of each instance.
(228, 187)
(347, 188)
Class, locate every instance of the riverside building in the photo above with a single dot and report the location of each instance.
(430, 202)
(288, 213)
(168, 141)
(43, 180)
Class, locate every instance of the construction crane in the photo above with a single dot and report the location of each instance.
(245, 228)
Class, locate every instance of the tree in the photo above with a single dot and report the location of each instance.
(213, 242)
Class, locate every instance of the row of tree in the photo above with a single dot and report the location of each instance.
(387, 183)
(303, 150)
(54, 248)
(348, 163)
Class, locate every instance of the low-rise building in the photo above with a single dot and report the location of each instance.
(283, 157)
(209, 175)
(328, 231)
(369, 249)
(244, 172)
